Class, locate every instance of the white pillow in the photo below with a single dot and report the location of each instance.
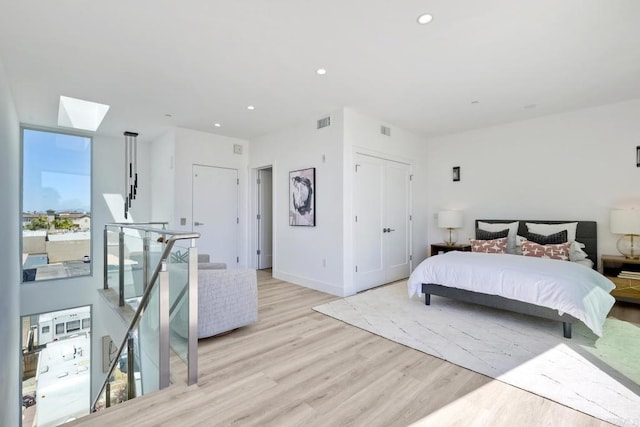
(586, 262)
(546, 229)
(518, 248)
(495, 226)
(576, 253)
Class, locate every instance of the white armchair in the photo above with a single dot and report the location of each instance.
(227, 299)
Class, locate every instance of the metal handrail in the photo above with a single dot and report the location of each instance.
(177, 235)
(129, 224)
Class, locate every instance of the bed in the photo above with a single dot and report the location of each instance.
(558, 290)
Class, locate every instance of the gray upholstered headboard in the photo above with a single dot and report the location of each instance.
(586, 232)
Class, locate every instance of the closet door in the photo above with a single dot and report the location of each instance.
(396, 240)
(368, 205)
(381, 221)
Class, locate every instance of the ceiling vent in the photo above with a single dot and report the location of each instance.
(323, 123)
(385, 130)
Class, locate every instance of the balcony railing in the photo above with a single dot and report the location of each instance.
(154, 271)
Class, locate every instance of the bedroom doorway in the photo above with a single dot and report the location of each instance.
(381, 205)
(265, 218)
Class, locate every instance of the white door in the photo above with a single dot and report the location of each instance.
(264, 218)
(381, 222)
(396, 220)
(368, 225)
(215, 213)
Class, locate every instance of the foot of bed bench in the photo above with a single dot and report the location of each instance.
(566, 329)
(427, 299)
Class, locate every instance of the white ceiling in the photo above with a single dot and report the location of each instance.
(204, 61)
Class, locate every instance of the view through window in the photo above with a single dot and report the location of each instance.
(56, 205)
(56, 366)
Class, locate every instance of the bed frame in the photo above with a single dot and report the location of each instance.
(586, 232)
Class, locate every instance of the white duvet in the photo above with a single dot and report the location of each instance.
(561, 285)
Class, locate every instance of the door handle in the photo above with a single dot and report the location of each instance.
(198, 223)
(389, 230)
(384, 230)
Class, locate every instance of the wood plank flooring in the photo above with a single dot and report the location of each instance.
(297, 367)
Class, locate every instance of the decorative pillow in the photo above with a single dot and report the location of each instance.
(576, 253)
(551, 239)
(546, 229)
(491, 235)
(559, 251)
(499, 226)
(495, 246)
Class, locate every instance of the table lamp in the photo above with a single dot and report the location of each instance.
(627, 223)
(450, 220)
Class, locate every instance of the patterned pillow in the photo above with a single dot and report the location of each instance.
(495, 246)
(491, 235)
(559, 251)
(551, 239)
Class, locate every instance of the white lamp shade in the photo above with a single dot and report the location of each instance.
(625, 221)
(449, 219)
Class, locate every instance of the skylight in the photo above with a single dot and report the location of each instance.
(79, 114)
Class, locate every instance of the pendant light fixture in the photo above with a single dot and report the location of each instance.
(130, 170)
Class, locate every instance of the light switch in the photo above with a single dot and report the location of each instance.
(183, 221)
(237, 148)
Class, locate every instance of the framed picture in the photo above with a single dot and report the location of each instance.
(302, 197)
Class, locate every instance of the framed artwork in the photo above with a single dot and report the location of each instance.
(302, 197)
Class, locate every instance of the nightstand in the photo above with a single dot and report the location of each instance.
(625, 274)
(440, 248)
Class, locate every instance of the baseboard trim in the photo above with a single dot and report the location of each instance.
(307, 282)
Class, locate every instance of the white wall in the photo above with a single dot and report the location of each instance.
(9, 257)
(299, 252)
(201, 148)
(162, 158)
(362, 135)
(575, 165)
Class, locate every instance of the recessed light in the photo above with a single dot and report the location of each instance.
(425, 19)
(475, 102)
(530, 106)
(250, 107)
(321, 71)
(217, 125)
(168, 115)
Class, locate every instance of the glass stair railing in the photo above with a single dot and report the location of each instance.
(155, 273)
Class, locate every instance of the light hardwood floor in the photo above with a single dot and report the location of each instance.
(297, 367)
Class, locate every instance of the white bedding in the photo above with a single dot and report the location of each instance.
(561, 285)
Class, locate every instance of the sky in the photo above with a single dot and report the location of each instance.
(56, 171)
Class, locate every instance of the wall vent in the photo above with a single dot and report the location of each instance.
(323, 123)
(385, 130)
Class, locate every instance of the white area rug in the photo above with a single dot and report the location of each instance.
(599, 377)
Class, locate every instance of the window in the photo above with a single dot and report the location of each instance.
(56, 205)
(65, 378)
(73, 325)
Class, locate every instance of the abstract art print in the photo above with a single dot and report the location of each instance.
(302, 197)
